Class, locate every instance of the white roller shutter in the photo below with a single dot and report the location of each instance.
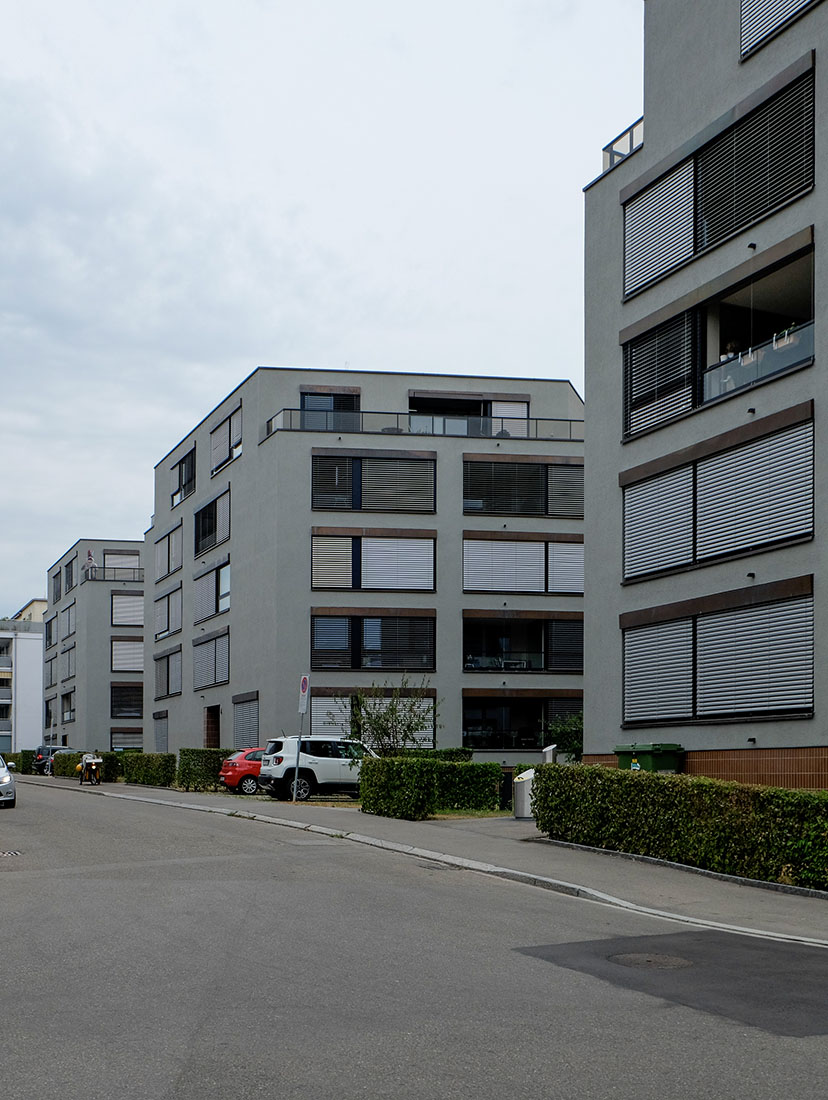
(162, 733)
(658, 672)
(330, 717)
(121, 560)
(246, 724)
(204, 596)
(220, 445)
(127, 655)
(659, 228)
(397, 485)
(223, 517)
(127, 609)
(658, 522)
(424, 736)
(331, 561)
(565, 491)
(397, 563)
(511, 416)
(495, 566)
(566, 567)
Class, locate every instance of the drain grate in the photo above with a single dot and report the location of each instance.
(650, 960)
(9, 853)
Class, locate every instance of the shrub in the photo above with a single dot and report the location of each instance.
(415, 787)
(111, 768)
(198, 769)
(464, 786)
(65, 763)
(456, 755)
(153, 769)
(24, 761)
(764, 833)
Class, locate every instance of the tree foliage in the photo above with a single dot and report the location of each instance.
(567, 732)
(390, 718)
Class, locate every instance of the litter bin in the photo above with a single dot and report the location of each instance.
(662, 757)
(550, 754)
(522, 788)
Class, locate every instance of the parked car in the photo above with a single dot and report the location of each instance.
(8, 793)
(240, 772)
(43, 754)
(326, 764)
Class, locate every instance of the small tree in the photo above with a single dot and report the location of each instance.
(389, 718)
(567, 732)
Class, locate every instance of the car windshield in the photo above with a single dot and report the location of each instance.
(2, 762)
(235, 755)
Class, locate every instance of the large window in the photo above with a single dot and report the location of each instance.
(501, 723)
(50, 673)
(367, 562)
(212, 524)
(126, 701)
(67, 621)
(183, 478)
(340, 715)
(211, 662)
(49, 632)
(211, 593)
(495, 565)
(127, 654)
(56, 587)
(70, 574)
(226, 440)
(372, 642)
(762, 161)
(127, 609)
(168, 613)
(373, 484)
(169, 553)
(523, 488)
(330, 412)
(168, 674)
(523, 645)
(68, 658)
(67, 706)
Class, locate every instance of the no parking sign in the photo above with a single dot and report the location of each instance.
(304, 691)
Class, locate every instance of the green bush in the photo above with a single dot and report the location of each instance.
(415, 787)
(24, 761)
(464, 786)
(65, 763)
(198, 769)
(765, 833)
(152, 769)
(457, 755)
(13, 758)
(111, 768)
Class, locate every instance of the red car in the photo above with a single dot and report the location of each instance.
(240, 772)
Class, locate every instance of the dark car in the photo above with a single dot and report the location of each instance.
(42, 763)
(240, 772)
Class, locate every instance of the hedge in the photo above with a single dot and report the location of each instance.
(765, 833)
(417, 787)
(455, 754)
(65, 763)
(153, 769)
(198, 769)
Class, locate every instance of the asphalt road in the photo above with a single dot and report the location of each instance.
(153, 952)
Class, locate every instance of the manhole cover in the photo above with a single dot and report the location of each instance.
(651, 961)
(9, 853)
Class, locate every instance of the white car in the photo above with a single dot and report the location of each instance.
(325, 764)
(8, 794)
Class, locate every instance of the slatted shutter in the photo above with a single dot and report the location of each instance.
(204, 664)
(246, 724)
(565, 491)
(562, 708)
(331, 561)
(658, 373)
(127, 655)
(176, 548)
(764, 160)
(331, 641)
(397, 642)
(222, 658)
(332, 482)
(120, 559)
(162, 733)
(220, 445)
(505, 488)
(127, 609)
(330, 717)
(756, 494)
(161, 676)
(495, 566)
(425, 736)
(223, 518)
(658, 228)
(162, 557)
(398, 485)
(204, 596)
(760, 18)
(756, 659)
(174, 672)
(126, 739)
(565, 645)
(566, 567)
(511, 417)
(658, 672)
(398, 563)
(658, 523)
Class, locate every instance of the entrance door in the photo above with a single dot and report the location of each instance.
(212, 727)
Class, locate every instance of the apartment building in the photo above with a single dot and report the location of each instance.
(705, 618)
(93, 646)
(361, 527)
(21, 679)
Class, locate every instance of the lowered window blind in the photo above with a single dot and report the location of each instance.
(510, 416)
(162, 733)
(127, 655)
(330, 717)
(398, 485)
(168, 613)
(67, 621)
(126, 739)
(331, 641)
(756, 659)
(565, 491)
(127, 609)
(211, 662)
(658, 373)
(168, 675)
(331, 482)
(565, 645)
(658, 523)
(658, 672)
(566, 567)
(425, 735)
(760, 18)
(225, 440)
(658, 228)
(495, 566)
(204, 596)
(120, 559)
(246, 724)
(331, 561)
(756, 494)
(398, 563)
(397, 642)
(505, 488)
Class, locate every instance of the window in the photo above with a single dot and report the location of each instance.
(126, 701)
(168, 674)
(184, 478)
(127, 609)
(760, 19)
(211, 662)
(226, 440)
(330, 412)
(523, 645)
(339, 715)
(502, 723)
(69, 663)
(246, 723)
(49, 635)
(523, 488)
(67, 621)
(67, 707)
(738, 662)
(129, 738)
(491, 565)
(49, 717)
(169, 553)
(764, 160)
(367, 562)
(69, 576)
(122, 559)
(372, 642)
(56, 587)
(161, 729)
(168, 614)
(373, 484)
(211, 593)
(127, 655)
(212, 524)
(744, 499)
(50, 673)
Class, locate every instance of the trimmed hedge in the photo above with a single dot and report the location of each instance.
(765, 833)
(64, 764)
(198, 769)
(153, 769)
(417, 787)
(456, 755)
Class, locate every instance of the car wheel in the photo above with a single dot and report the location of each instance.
(304, 787)
(248, 785)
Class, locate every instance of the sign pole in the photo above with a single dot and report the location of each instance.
(304, 691)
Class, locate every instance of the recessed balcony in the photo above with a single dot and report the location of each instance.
(409, 423)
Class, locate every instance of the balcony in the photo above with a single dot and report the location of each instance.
(406, 423)
(621, 147)
(6, 662)
(783, 351)
(116, 574)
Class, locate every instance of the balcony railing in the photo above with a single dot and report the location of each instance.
(785, 350)
(116, 574)
(626, 143)
(514, 662)
(389, 423)
(486, 740)
(6, 662)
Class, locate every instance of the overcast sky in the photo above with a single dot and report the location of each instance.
(194, 188)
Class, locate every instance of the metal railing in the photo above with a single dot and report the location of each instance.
(409, 423)
(520, 740)
(512, 662)
(620, 148)
(745, 368)
(113, 574)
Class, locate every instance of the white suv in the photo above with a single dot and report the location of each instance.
(325, 764)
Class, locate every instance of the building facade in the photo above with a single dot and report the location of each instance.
(705, 616)
(21, 680)
(93, 646)
(361, 528)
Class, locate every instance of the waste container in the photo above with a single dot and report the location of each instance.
(661, 757)
(550, 754)
(522, 788)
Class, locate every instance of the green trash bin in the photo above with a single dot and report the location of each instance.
(649, 758)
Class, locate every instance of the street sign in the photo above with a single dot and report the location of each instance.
(304, 692)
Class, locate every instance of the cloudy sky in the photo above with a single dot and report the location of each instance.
(194, 188)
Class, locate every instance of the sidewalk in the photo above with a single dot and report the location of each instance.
(515, 849)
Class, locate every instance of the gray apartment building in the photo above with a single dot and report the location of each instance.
(706, 388)
(21, 678)
(93, 646)
(361, 527)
